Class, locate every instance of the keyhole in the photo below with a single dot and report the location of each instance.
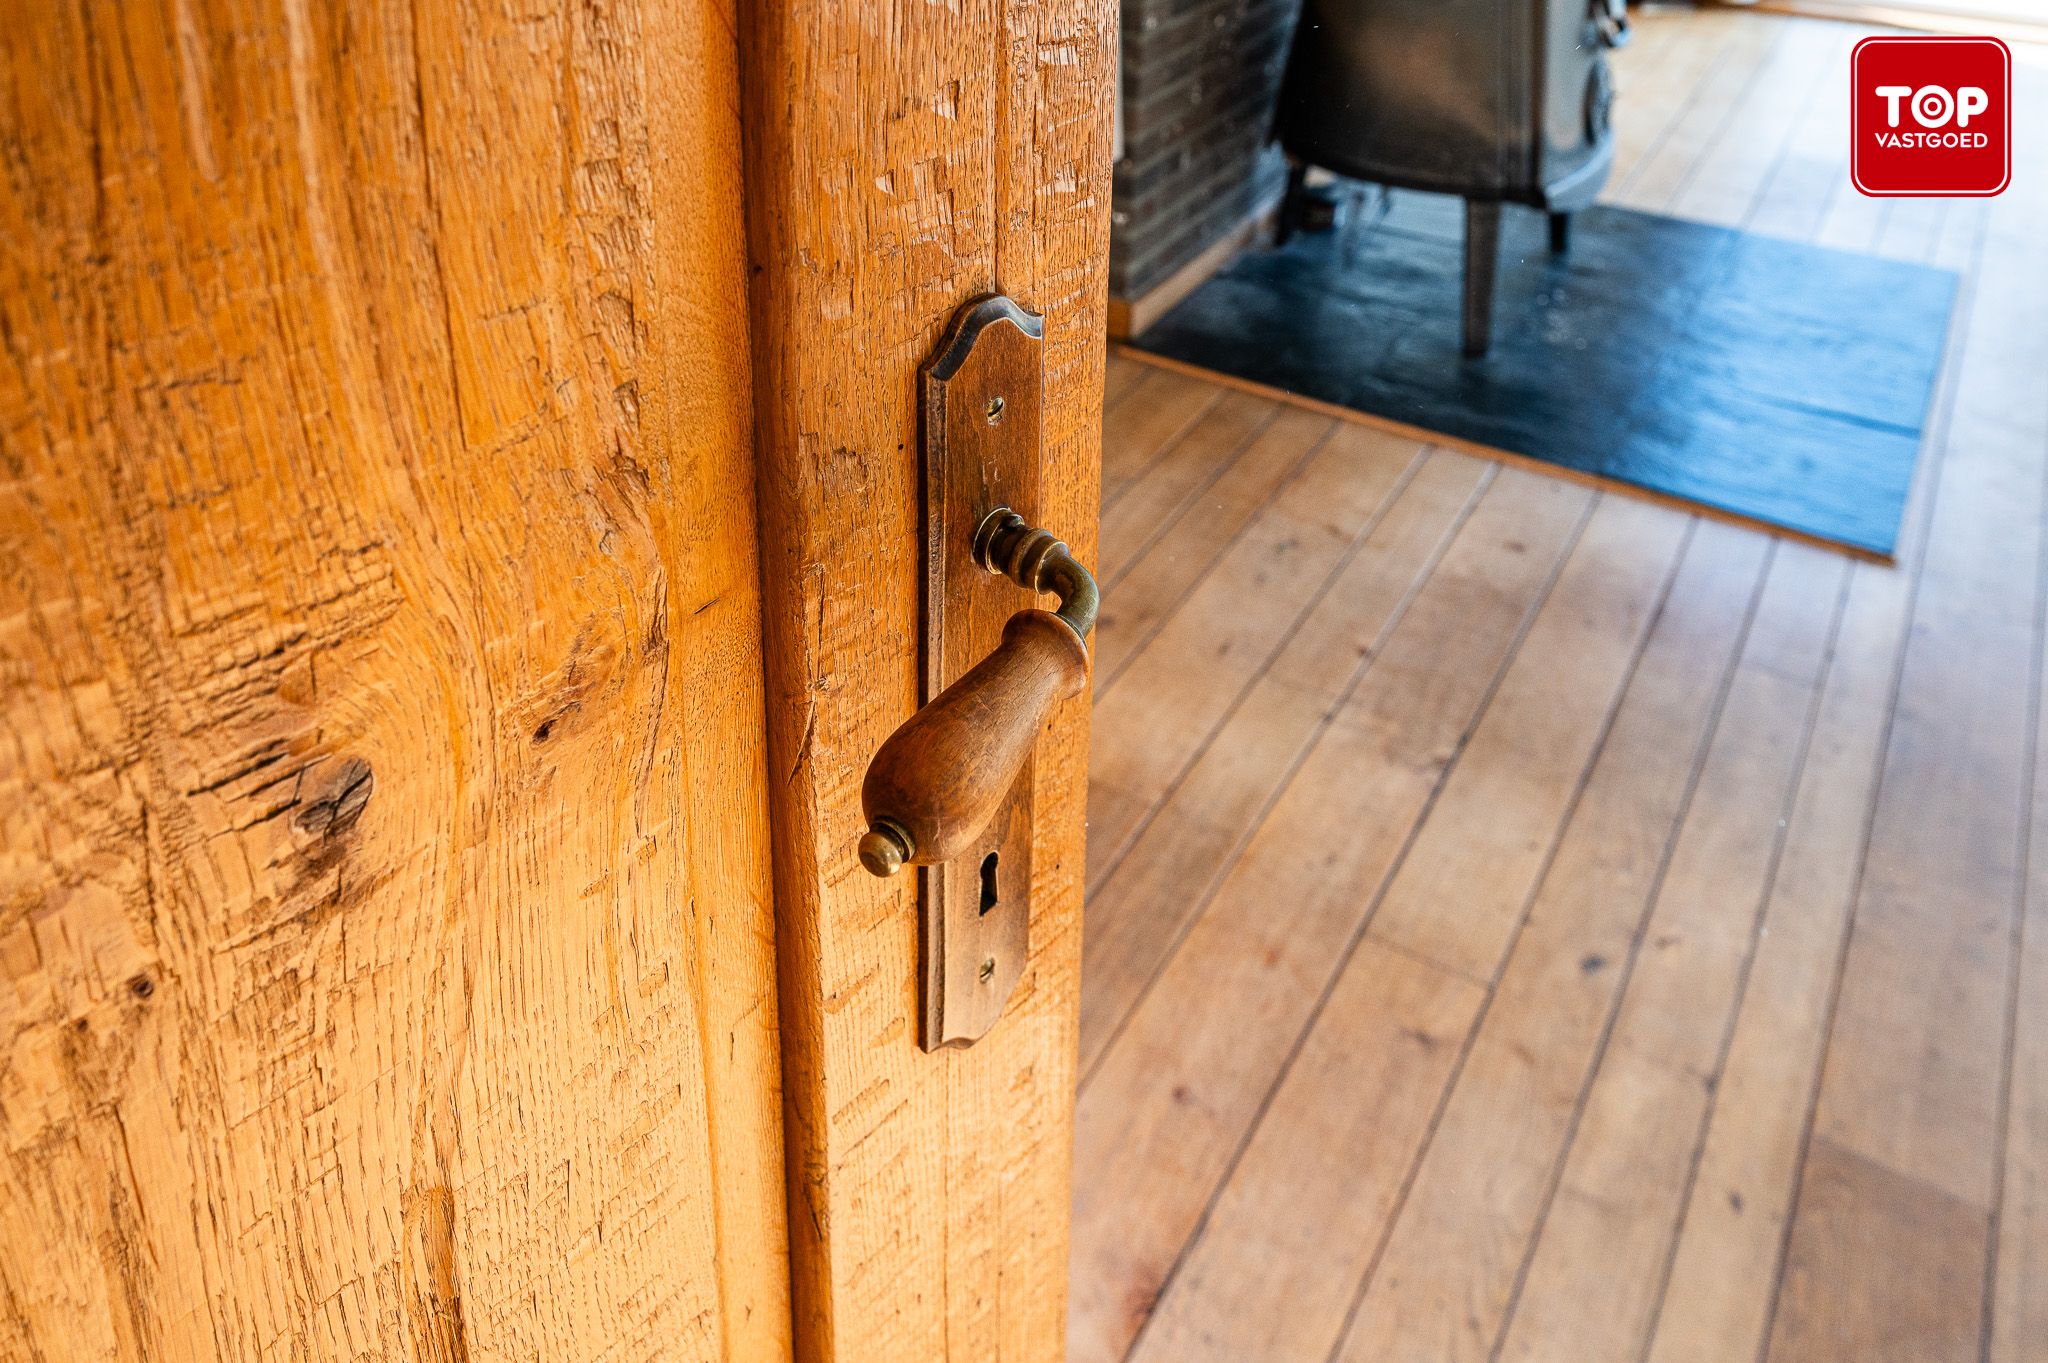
(995, 409)
(988, 881)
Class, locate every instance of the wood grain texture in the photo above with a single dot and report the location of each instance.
(383, 879)
(1228, 629)
(1450, 1264)
(1723, 184)
(1615, 1202)
(1323, 1173)
(1465, 881)
(1184, 471)
(1180, 552)
(1120, 378)
(1194, 834)
(1162, 1115)
(904, 158)
(1144, 425)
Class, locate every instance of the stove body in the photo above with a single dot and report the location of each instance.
(1496, 101)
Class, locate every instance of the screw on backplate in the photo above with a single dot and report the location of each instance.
(995, 409)
(988, 970)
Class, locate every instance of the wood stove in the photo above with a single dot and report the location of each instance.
(1497, 101)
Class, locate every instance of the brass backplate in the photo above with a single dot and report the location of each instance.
(983, 392)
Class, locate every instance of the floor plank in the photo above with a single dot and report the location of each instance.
(1307, 1203)
(1750, 144)
(1614, 1213)
(1121, 376)
(1451, 1262)
(1793, 200)
(1147, 422)
(1465, 880)
(1158, 496)
(1142, 902)
(1187, 1078)
(1726, 80)
(1659, 82)
(1147, 592)
(1155, 716)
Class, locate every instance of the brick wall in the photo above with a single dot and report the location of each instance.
(1199, 80)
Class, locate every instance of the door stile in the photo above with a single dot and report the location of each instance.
(901, 160)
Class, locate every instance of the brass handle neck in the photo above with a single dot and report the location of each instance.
(1032, 558)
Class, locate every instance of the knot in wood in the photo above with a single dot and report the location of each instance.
(340, 801)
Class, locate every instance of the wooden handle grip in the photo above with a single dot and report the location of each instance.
(940, 778)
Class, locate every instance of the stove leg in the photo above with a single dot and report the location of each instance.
(1560, 233)
(1482, 250)
(1291, 203)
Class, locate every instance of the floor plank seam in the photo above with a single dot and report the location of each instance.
(1758, 914)
(1125, 396)
(1655, 890)
(1301, 755)
(1421, 957)
(1194, 495)
(1222, 549)
(1625, 175)
(1622, 188)
(1112, 495)
(1408, 1178)
(1360, 929)
(1812, 230)
(1714, 139)
(1937, 447)
(1794, 126)
(1357, 545)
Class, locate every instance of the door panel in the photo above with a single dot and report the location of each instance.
(904, 158)
(385, 926)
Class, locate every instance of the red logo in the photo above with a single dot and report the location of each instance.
(1930, 117)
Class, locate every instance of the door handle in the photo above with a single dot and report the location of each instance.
(936, 782)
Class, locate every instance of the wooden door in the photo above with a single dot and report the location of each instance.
(384, 909)
(427, 919)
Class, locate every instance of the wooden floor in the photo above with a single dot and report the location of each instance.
(1530, 923)
(2012, 20)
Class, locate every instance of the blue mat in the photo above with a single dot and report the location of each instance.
(1780, 382)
